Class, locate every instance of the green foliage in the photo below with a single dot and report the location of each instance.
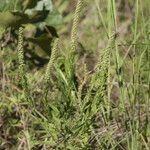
(13, 19)
(50, 65)
(40, 14)
(33, 12)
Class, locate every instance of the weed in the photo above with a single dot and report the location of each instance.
(107, 108)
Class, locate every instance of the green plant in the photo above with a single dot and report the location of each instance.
(50, 66)
(102, 103)
(39, 19)
(21, 61)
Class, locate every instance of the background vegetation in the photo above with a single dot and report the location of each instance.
(74, 74)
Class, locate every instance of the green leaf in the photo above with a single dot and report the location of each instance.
(54, 18)
(15, 19)
(12, 19)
